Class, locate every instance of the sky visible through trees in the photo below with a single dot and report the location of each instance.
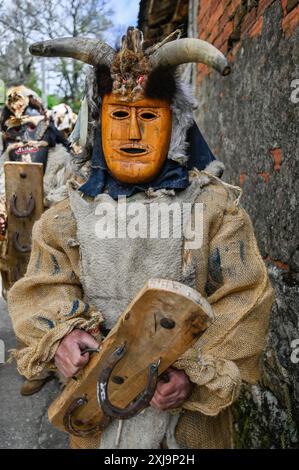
(24, 21)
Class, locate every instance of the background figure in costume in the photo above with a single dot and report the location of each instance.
(29, 137)
(64, 119)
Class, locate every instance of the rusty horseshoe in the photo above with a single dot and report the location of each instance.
(17, 246)
(27, 212)
(142, 400)
(68, 420)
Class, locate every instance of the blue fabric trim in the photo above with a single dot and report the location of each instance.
(172, 175)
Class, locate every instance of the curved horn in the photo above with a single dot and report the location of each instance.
(182, 51)
(91, 51)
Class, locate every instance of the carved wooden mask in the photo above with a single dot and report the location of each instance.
(135, 137)
(24, 139)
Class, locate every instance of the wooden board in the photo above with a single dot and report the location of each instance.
(141, 327)
(22, 180)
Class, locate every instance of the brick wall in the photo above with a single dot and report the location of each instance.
(159, 18)
(226, 23)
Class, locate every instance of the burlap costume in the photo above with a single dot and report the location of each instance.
(48, 303)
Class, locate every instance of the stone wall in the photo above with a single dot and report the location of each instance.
(250, 120)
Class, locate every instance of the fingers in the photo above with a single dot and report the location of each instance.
(177, 381)
(171, 401)
(68, 363)
(66, 367)
(76, 358)
(173, 393)
(167, 388)
(168, 401)
(68, 357)
(85, 340)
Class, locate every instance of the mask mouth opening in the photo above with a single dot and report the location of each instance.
(133, 150)
(26, 149)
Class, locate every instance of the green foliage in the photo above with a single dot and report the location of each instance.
(2, 92)
(53, 100)
(75, 105)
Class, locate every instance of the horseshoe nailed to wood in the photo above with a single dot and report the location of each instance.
(17, 246)
(25, 213)
(159, 325)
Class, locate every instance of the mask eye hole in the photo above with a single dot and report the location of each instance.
(148, 116)
(120, 114)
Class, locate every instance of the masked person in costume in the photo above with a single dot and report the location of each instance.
(64, 118)
(29, 137)
(142, 143)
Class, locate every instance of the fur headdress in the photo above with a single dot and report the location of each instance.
(135, 72)
(18, 100)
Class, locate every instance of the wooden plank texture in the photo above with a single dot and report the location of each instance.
(22, 180)
(141, 327)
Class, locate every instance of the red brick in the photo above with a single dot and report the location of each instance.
(224, 19)
(204, 35)
(203, 19)
(281, 265)
(277, 157)
(224, 35)
(291, 4)
(233, 52)
(277, 262)
(215, 15)
(219, 41)
(265, 176)
(242, 178)
(284, 6)
(232, 7)
(224, 48)
(256, 29)
(263, 4)
(204, 9)
(214, 34)
(228, 29)
(248, 21)
(203, 71)
(214, 5)
(290, 22)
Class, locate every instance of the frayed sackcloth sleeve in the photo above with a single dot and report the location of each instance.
(240, 294)
(47, 303)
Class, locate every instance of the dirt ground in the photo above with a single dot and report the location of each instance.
(23, 420)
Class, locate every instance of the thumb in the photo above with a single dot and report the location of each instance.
(85, 340)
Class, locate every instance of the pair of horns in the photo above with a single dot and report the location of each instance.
(95, 52)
